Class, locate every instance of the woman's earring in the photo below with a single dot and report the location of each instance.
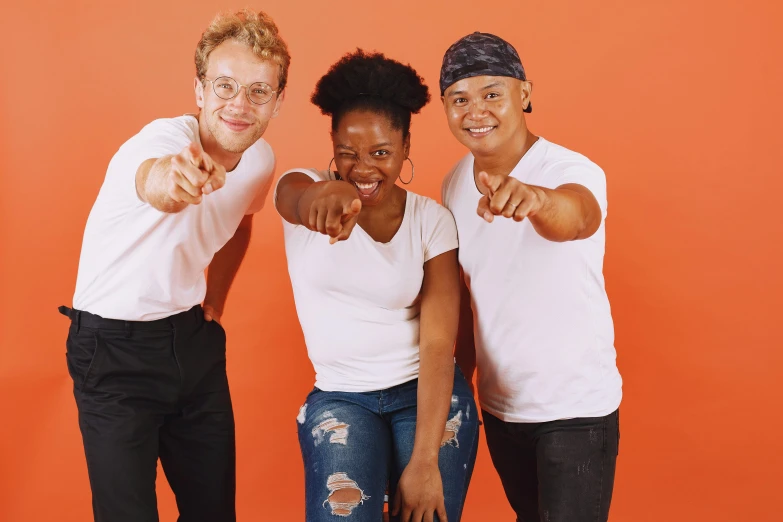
(413, 170)
(329, 170)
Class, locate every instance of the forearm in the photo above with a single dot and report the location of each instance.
(151, 185)
(224, 267)
(565, 215)
(436, 378)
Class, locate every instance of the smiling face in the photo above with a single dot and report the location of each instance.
(236, 124)
(486, 113)
(369, 153)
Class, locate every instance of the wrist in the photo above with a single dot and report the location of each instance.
(545, 200)
(427, 457)
(304, 203)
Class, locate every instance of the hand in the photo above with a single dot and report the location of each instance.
(211, 314)
(192, 173)
(334, 211)
(507, 197)
(420, 493)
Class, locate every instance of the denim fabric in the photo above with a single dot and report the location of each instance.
(363, 441)
(557, 471)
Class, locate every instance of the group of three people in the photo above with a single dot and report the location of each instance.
(389, 287)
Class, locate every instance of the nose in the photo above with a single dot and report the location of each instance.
(477, 108)
(364, 166)
(240, 101)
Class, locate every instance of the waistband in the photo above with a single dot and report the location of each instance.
(81, 318)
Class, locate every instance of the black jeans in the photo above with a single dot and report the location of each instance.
(149, 390)
(559, 471)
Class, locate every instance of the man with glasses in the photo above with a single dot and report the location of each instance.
(148, 360)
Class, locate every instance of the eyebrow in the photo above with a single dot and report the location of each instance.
(377, 145)
(493, 84)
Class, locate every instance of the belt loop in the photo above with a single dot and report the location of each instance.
(128, 328)
(78, 320)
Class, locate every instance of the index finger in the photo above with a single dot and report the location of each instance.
(193, 154)
(491, 181)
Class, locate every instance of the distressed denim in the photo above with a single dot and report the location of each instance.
(361, 442)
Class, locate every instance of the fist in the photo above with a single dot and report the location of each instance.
(334, 211)
(507, 197)
(192, 174)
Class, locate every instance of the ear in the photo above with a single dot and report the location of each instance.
(526, 89)
(406, 145)
(443, 101)
(198, 87)
(278, 104)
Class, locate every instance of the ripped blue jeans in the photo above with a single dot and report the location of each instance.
(356, 445)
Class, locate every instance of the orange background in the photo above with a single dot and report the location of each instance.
(679, 102)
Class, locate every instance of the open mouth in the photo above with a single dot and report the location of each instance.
(368, 190)
(480, 132)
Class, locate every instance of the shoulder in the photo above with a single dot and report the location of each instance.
(161, 137)
(314, 174)
(430, 212)
(558, 159)
(186, 125)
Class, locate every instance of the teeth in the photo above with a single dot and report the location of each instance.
(481, 129)
(366, 185)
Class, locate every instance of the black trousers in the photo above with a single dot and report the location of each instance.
(559, 471)
(149, 390)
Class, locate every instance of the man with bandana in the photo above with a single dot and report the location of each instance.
(535, 319)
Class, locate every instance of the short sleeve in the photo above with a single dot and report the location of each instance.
(440, 232)
(314, 174)
(587, 174)
(160, 138)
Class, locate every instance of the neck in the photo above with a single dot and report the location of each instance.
(227, 159)
(503, 160)
(392, 206)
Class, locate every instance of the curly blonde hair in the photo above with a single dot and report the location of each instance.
(255, 29)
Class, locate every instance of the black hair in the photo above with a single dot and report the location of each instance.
(370, 81)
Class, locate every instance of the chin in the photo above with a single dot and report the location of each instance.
(237, 144)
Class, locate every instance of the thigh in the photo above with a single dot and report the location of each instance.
(198, 454)
(120, 413)
(576, 465)
(459, 445)
(514, 457)
(346, 449)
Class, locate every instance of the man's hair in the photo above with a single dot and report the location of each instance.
(254, 29)
(370, 81)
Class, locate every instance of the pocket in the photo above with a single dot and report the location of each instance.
(81, 355)
(221, 331)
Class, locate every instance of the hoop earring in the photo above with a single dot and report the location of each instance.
(329, 170)
(413, 171)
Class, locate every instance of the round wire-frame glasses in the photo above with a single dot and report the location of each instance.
(226, 88)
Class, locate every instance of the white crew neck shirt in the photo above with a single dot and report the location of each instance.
(358, 301)
(140, 264)
(542, 322)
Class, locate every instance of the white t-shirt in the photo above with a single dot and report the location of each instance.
(542, 323)
(358, 300)
(141, 264)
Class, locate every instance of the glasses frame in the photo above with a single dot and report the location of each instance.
(239, 88)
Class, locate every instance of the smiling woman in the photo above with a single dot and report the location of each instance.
(378, 304)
